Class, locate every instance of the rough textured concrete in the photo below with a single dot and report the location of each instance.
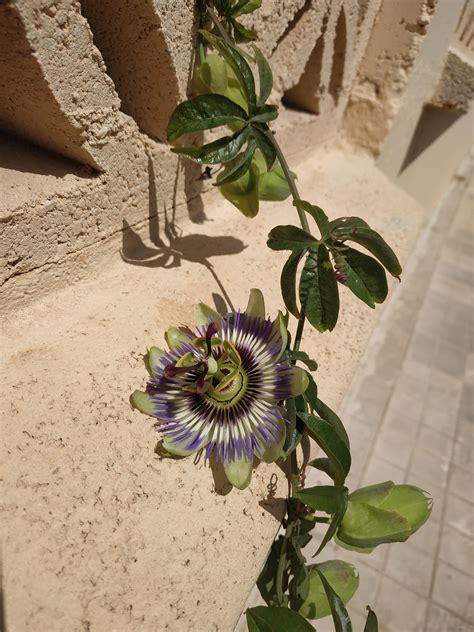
(383, 74)
(124, 540)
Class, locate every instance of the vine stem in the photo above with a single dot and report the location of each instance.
(294, 482)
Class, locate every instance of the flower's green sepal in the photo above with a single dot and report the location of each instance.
(280, 326)
(175, 337)
(299, 381)
(239, 472)
(143, 402)
(206, 314)
(153, 358)
(256, 304)
(275, 450)
(174, 450)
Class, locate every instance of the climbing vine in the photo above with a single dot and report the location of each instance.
(238, 387)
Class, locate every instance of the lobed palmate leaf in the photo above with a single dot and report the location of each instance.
(219, 151)
(356, 229)
(206, 111)
(319, 296)
(240, 165)
(237, 62)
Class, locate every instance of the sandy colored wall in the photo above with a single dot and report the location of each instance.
(106, 238)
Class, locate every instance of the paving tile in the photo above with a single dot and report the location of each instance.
(369, 581)
(430, 466)
(453, 590)
(422, 347)
(441, 620)
(460, 515)
(438, 494)
(461, 483)
(378, 470)
(327, 624)
(427, 537)
(466, 408)
(399, 608)
(434, 442)
(463, 454)
(457, 549)
(395, 444)
(440, 419)
(410, 567)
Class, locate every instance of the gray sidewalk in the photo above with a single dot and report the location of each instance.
(410, 419)
(409, 414)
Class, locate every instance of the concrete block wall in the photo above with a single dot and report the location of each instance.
(96, 86)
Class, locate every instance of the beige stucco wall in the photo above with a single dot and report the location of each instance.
(100, 533)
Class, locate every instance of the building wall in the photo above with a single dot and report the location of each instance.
(106, 239)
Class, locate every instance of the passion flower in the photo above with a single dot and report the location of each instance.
(221, 388)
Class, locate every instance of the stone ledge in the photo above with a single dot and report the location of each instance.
(124, 540)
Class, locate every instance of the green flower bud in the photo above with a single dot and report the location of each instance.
(383, 513)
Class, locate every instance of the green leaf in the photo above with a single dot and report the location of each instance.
(246, 6)
(365, 277)
(239, 165)
(211, 75)
(331, 500)
(299, 585)
(318, 291)
(371, 623)
(324, 465)
(266, 582)
(273, 185)
(318, 215)
(311, 393)
(302, 356)
(331, 443)
(237, 62)
(221, 150)
(288, 283)
(265, 76)
(241, 33)
(275, 619)
(267, 150)
(295, 427)
(325, 498)
(355, 229)
(330, 416)
(205, 111)
(290, 238)
(264, 114)
(343, 579)
(243, 193)
(342, 622)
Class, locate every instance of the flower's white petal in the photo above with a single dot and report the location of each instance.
(239, 472)
(142, 402)
(299, 381)
(256, 304)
